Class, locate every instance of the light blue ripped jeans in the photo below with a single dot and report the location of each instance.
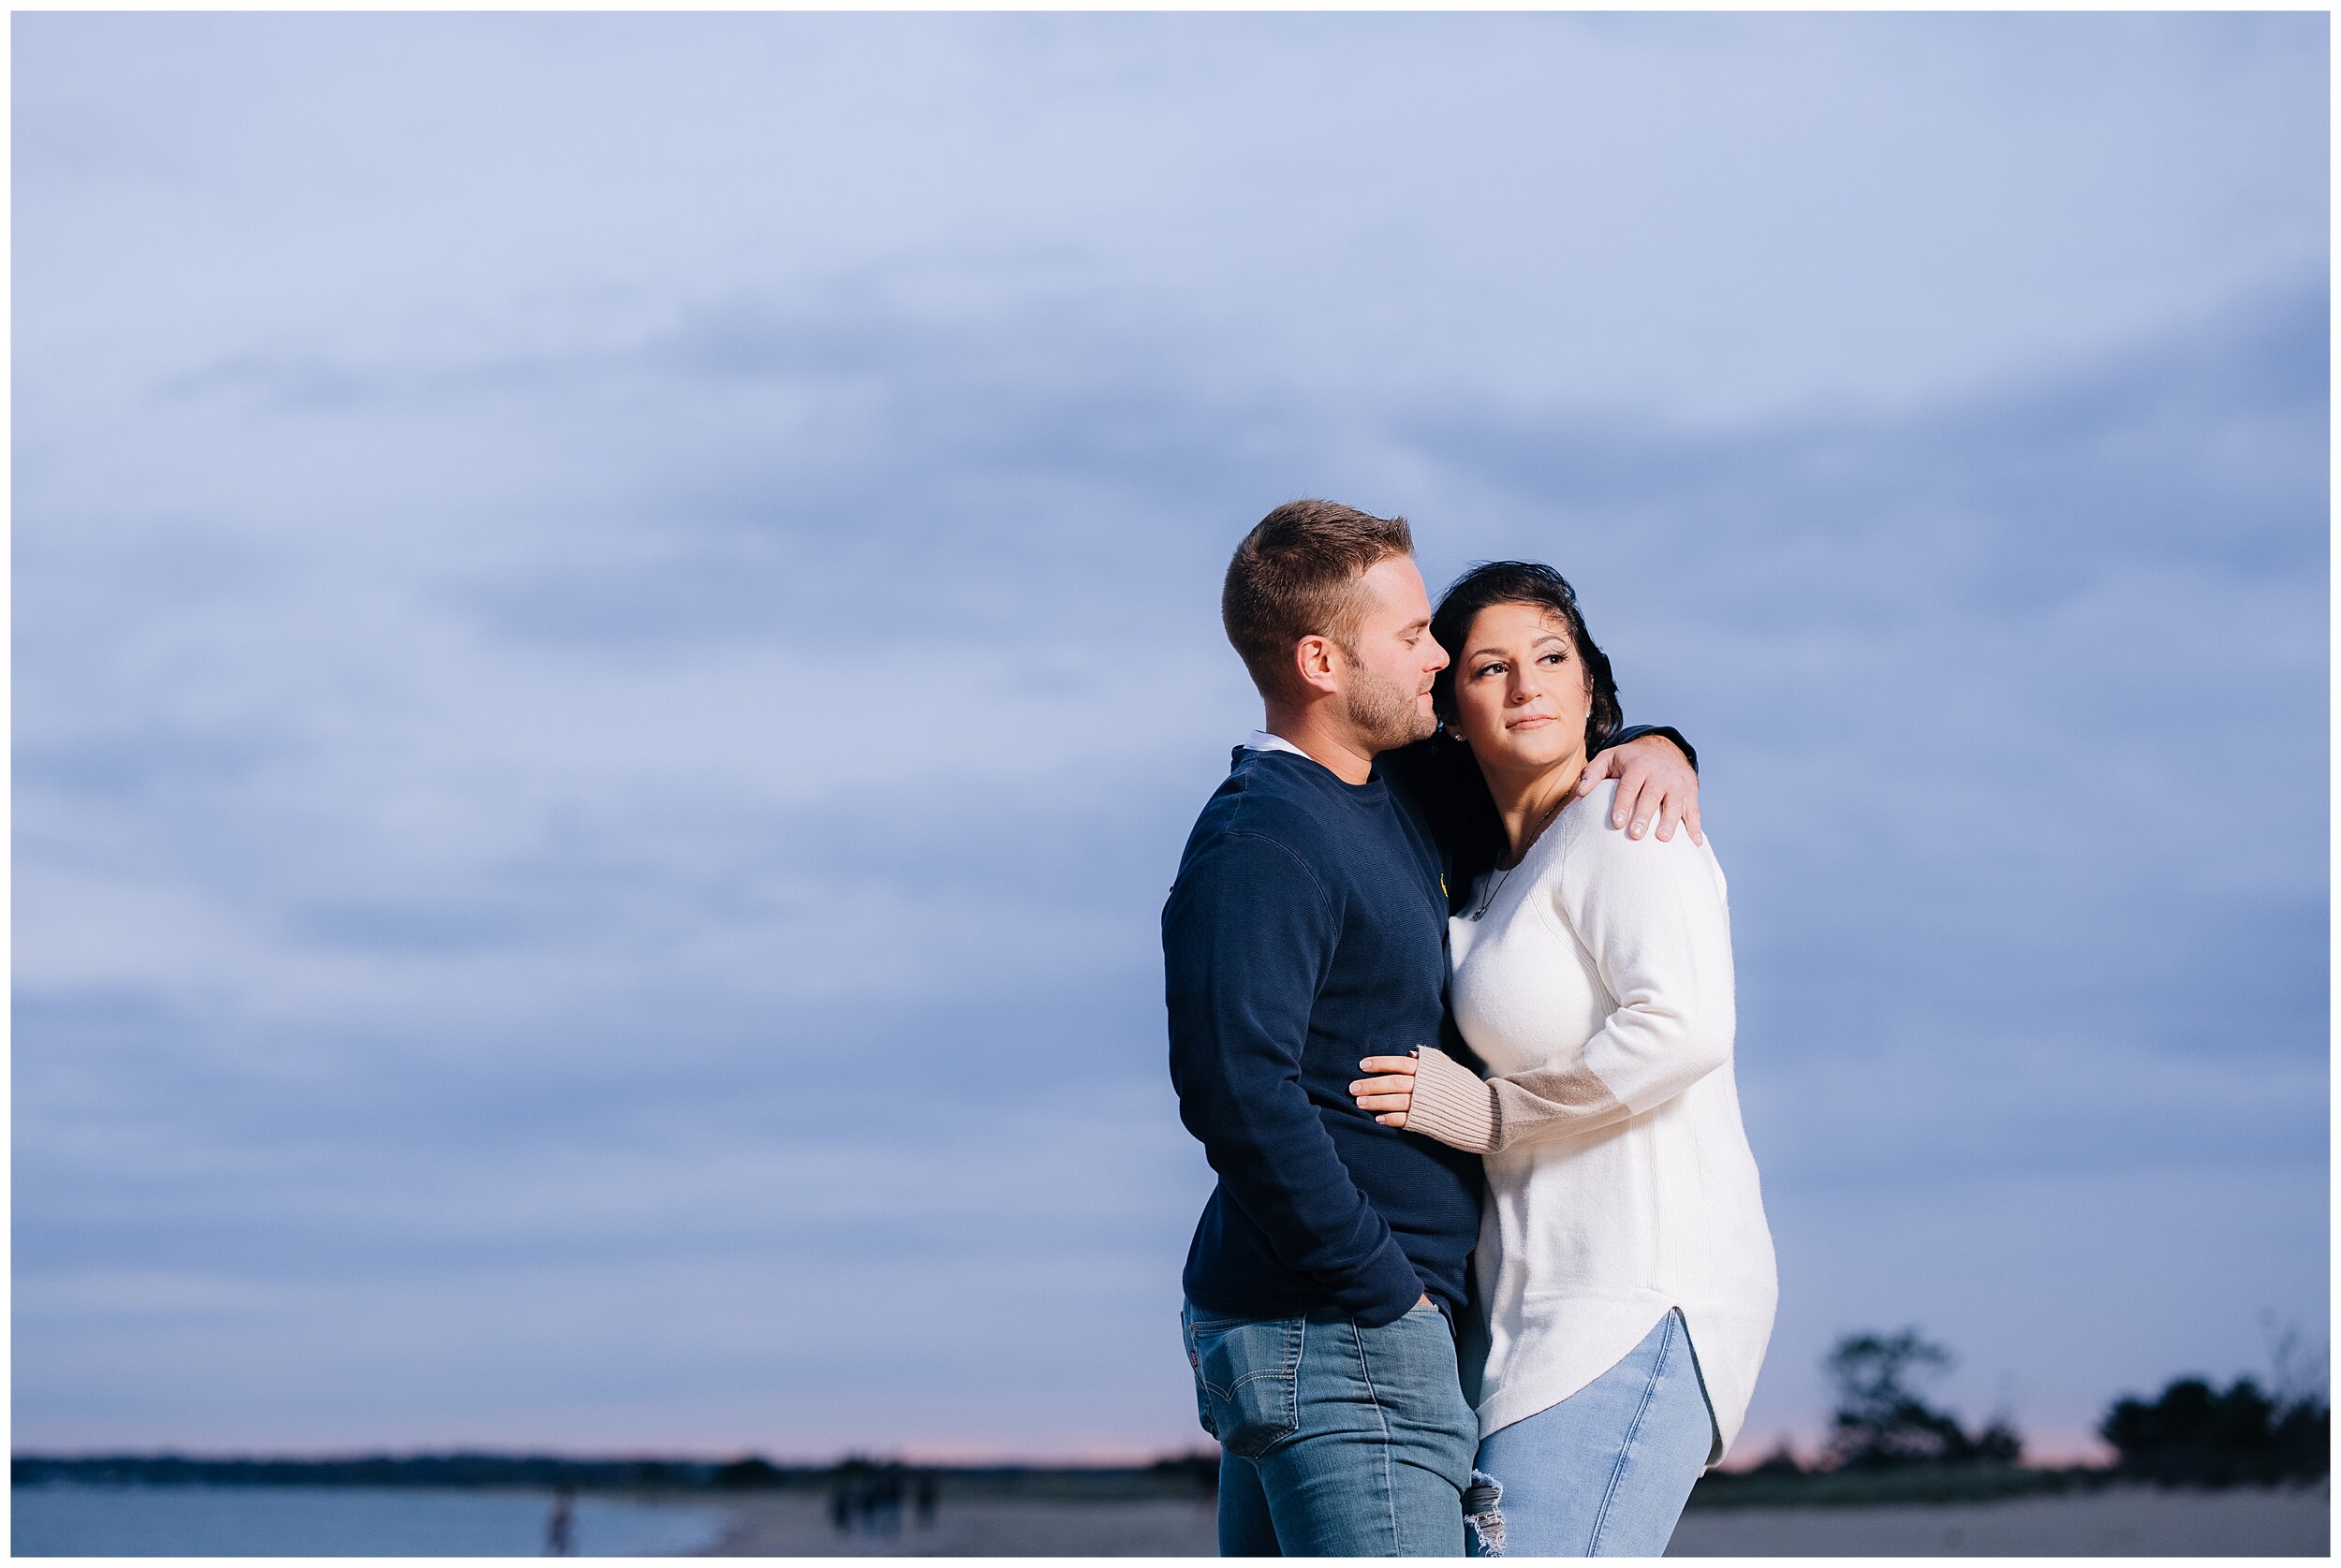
(1606, 1472)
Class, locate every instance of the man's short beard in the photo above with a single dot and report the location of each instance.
(1388, 714)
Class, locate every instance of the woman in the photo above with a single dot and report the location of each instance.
(1623, 1267)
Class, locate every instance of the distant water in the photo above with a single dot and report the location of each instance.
(77, 1520)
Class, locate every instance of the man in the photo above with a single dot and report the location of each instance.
(1306, 930)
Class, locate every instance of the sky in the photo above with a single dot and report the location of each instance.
(615, 635)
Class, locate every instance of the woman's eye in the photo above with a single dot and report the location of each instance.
(1485, 669)
(1556, 660)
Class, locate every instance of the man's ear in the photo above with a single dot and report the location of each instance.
(1313, 660)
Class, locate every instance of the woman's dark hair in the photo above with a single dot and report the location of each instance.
(1522, 583)
(1442, 772)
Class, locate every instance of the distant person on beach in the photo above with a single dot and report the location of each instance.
(1625, 1269)
(560, 1537)
(1306, 931)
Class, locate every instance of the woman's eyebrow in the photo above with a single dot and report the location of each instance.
(1498, 653)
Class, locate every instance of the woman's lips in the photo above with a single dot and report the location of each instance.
(1533, 721)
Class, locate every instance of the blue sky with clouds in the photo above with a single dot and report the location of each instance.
(616, 633)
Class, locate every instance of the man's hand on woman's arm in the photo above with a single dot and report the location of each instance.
(1653, 780)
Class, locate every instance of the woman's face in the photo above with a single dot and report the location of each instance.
(1521, 694)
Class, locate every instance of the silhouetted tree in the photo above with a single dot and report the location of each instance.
(752, 1471)
(1999, 1442)
(2196, 1434)
(1200, 1470)
(2298, 1368)
(1882, 1423)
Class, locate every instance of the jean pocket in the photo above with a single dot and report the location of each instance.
(1195, 1362)
(1247, 1380)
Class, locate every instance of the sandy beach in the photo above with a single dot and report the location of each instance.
(793, 1525)
(2126, 1521)
(2120, 1521)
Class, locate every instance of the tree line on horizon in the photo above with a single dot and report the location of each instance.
(2192, 1433)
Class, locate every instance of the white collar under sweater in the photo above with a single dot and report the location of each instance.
(1261, 741)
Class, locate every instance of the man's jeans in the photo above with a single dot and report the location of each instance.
(1337, 1440)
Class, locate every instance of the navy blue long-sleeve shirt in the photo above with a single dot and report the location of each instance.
(1307, 930)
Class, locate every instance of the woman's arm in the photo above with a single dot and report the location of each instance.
(1653, 917)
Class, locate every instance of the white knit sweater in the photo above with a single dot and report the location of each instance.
(1598, 986)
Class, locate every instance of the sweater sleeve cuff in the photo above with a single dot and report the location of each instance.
(1452, 1104)
(1387, 1293)
(1635, 732)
